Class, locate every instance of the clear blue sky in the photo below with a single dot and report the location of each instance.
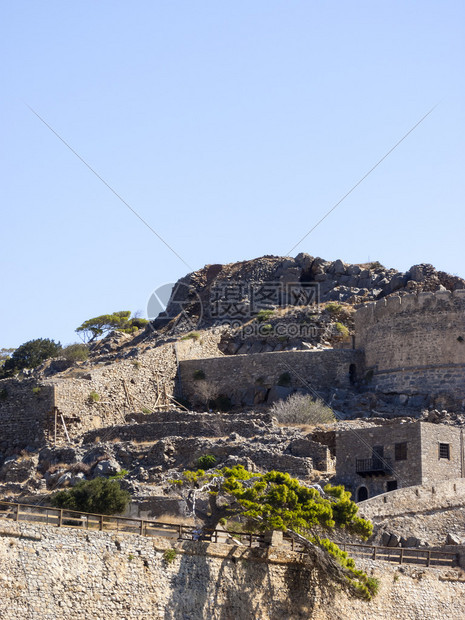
(231, 127)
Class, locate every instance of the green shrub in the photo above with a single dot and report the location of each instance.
(301, 409)
(342, 330)
(169, 555)
(77, 352)
(146, 410)
(3, 394)
(285, 379)
(264, 315)
(36, 390)
(333, 308)
(207, 461)
(376, 265)
(198, 375)
(29, 355)
(100, 495)
(94, 397)
(120, 475)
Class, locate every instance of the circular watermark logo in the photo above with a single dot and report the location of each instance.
(175, 302)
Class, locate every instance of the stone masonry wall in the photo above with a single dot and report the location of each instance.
(415, 500)
(239, 375)
(52, 573)
(433, 467)
(122, 386)
(358, 444)
(23, 412)
(415, 344)
(422, 464)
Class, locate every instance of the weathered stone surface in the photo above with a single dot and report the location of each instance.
(50, 572)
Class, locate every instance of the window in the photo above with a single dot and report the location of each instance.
(400, 451)
(391, 484)
(444, 451)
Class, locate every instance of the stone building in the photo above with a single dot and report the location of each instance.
(375, 460)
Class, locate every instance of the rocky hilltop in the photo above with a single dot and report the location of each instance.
(334, 281)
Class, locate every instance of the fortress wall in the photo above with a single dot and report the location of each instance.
(51, 573)
(415, 343)
(415, 500)
(235, 375)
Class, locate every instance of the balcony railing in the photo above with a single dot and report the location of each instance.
(377, 466)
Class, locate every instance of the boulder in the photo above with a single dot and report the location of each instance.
(108, 467)
(453, 539)
(394, 541)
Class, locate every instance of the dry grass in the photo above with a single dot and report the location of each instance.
(174, 520)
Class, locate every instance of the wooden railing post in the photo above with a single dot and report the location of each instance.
(374, 553)
(401, 557)
(180, 531)
(101, 522)
(17, 513)
(428, 558)
(142, 528)
(60, 517)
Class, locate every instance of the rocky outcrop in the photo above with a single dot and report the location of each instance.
(197, 293)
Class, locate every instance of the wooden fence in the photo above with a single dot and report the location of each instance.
(61, 517)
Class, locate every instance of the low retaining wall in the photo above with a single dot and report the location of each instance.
(57, 574)
(415, 499)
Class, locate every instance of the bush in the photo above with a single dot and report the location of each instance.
(207, 461)
(198, 375)
(94, 397)
(29, 355)
(342, 330)
(120, 475)
(302, 409)
(169, 555)
(101, 496)
(333, 308)
(76, 352)
(264, 315)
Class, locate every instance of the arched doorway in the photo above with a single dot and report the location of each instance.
(362, 494)
(352, 374)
